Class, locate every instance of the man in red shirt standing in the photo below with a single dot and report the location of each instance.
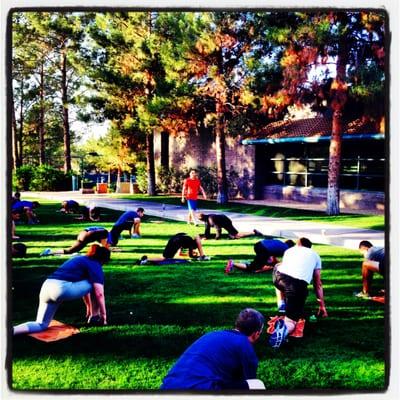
(190, 191)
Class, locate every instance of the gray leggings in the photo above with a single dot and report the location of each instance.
(52, 294)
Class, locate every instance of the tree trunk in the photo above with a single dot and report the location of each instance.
(21, 126)
(335, 149)
(339, 98)
(222, 196)
(42, 154)
(15, 152)
(151, 175)
(65, 116)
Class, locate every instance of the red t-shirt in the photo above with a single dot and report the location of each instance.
(192, 188)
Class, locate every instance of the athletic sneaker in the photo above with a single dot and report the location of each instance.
(362, 295)
(143, 260)
(282, 308)
(299, 329)
(279, 336)
(257, 233)
(203, 258)
(46, 252)
(135, 236)
(229, 267)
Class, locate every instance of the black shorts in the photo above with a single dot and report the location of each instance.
(261, 258)
(94, 236)
(295, 292)
(177, 242)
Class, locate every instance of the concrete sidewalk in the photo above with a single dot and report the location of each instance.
(323, 233)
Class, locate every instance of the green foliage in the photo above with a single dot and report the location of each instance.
(155, 312)
(23, 177)
(48, 178)
(141, 176)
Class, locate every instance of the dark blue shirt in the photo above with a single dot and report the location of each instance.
(127, 217)
(22, 204)
(376, 254)
(275, 247)
(217, 360)
(94, 228)
(78, 269)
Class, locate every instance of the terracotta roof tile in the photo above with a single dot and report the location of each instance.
(309, 127)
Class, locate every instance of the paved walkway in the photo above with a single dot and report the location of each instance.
(323, 233)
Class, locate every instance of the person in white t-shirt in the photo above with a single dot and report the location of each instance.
(300, 265)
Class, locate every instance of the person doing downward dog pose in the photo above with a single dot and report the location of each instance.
(130, 221)
(300, 264)
(220, 360)
(88, 235)
(221, 221)
(267, 251)
(190, 192)
(79, 277)
(174, 244)
(374, 262)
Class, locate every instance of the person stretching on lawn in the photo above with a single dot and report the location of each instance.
(79, 277)
(267, 251)
(220, 360)
(291, 277)
(88, 235)
(175, 243)
(221, 221)
(130, 221)
(374, 262)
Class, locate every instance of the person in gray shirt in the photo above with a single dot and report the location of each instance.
(374, 261)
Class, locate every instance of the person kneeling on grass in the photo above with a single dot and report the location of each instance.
(79, 277)
(69, 207)
(221, 221)
(220, 360)
(130, 221)
(175, 243)
(266, 252)
(374, 262)
(299, 266)
(88, 235)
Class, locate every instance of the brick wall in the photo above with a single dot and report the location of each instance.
(199, 150)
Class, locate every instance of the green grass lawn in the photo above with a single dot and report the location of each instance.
(155, 312)
(356, 220)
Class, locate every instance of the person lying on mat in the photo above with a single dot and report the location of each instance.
(175, 243)
(79, 277)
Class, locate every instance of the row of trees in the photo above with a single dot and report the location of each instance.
(182, 71)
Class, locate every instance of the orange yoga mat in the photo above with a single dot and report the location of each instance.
(56, 331)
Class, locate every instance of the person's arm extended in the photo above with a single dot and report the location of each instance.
(101, 301)
(319, 293)
(203, 192)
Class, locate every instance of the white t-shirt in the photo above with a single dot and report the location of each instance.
(299, 262)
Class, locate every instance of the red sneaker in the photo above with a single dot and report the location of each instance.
(299, 329)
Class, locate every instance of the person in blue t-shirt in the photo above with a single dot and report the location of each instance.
(130, 221)
(79, 277)
(70, 207)
(221, 360)
(27, 207)
(267, 251)
(88, 235)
